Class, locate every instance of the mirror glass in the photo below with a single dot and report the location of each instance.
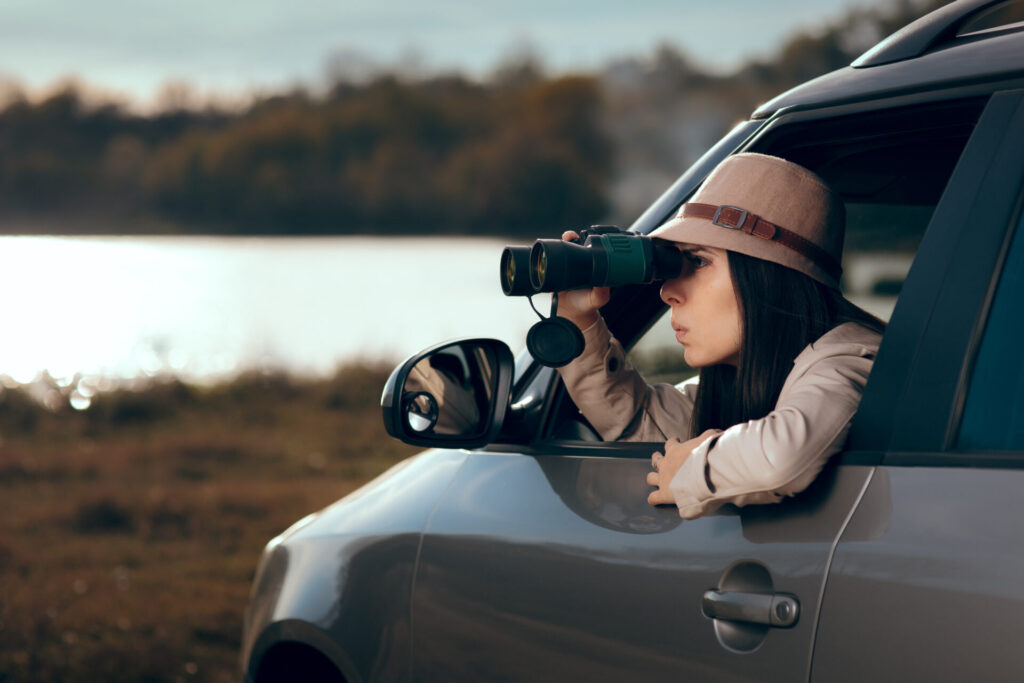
(420, 411)
(449, 392)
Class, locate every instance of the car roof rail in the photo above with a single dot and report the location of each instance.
(921, 35)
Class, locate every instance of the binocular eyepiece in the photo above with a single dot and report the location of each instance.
(604, 255)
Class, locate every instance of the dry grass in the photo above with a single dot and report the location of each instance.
(131, 531)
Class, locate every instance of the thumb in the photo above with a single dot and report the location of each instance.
(661, 497)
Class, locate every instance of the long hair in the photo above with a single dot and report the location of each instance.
(782, 311)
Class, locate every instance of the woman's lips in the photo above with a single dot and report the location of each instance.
(680, 332)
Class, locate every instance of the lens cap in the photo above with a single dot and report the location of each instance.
(554, 342)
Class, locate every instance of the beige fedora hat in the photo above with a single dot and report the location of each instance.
(768, 208)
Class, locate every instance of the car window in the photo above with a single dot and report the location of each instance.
(993, 417)
(890, 167)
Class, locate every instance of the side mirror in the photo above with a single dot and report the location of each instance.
(454, 394)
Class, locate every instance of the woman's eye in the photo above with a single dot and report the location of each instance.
(695, 260)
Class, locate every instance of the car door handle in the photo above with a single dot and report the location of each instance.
(780, 610)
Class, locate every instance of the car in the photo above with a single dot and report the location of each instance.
(520, 546)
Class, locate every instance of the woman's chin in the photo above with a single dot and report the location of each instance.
(702, 360)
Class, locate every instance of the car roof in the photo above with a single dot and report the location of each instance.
(925, 55)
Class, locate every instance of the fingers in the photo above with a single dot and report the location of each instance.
(577, 306)
(660, 497)
(581, 306)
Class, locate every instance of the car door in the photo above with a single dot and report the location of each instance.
(926, 582)
(550, 565)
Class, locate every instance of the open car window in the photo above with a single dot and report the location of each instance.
(890, 167)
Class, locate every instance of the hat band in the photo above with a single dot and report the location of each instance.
(735, 218)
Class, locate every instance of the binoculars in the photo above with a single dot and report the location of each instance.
(603, 255)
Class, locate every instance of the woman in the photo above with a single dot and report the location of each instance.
(783, 357)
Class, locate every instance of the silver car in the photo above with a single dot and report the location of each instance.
(521, 548)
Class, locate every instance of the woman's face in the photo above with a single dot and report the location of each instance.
(705, 313)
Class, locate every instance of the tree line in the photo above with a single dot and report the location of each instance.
(520, 153)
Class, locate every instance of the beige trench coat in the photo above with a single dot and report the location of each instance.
(760, 461)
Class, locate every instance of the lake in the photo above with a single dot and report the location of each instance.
(205, 308)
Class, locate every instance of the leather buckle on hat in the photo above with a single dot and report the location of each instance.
(735, 226)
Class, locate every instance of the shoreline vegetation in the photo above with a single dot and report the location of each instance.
(133, 528)
(521, 152)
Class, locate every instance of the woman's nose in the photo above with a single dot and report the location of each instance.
(672, 292)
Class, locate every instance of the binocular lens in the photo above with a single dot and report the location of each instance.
(540, 268)
(515, 271)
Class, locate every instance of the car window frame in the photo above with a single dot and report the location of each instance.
(911, 411)
(545, 387)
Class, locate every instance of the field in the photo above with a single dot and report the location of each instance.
(131, 530)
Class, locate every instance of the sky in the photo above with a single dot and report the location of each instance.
(135, 47)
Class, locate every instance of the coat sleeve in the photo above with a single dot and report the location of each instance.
(779, 455)
(617, 401)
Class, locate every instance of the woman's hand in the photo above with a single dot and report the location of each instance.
(580, 305)
(665, 466)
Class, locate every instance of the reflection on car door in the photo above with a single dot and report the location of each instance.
(553, 566)
(947, 568)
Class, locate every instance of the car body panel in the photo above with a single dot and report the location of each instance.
(957, 64)
(938, 596)
(344, 575)
(556, 567)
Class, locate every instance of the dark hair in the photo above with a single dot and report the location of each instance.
(783, 310)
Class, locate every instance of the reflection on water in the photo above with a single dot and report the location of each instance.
(205, 308)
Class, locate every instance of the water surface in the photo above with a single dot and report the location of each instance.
(208, 307)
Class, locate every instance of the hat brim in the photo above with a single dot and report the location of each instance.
(701, 232)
